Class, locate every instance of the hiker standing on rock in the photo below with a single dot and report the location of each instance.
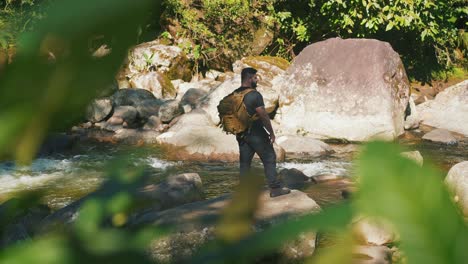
(251, 132)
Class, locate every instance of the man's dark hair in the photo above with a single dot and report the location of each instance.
(247, 73)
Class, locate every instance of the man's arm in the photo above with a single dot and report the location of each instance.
(265, 118)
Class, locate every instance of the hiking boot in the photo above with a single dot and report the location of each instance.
(279, 191)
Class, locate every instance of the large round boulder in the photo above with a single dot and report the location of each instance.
(98, 110)
(155, 82)
(352, 89)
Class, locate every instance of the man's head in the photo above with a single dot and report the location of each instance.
(249, 77)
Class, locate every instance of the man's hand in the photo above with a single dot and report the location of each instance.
(263, 115)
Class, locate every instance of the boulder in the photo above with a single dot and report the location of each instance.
(352, 89)
(169, 110)
(192, 97)
(293, 178)
(195, 225)
(449, 109)
(153, 123)
(128, 114)
(440, 136)
(56, 143)
(307, 146)
(148, 108)
(135, 136)
(170, 60)
(457, 181)
(99, 110)
(132, 97)
(155, 82)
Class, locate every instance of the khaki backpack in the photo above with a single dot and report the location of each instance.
(233, 115)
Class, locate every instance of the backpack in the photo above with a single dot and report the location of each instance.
(233, 115)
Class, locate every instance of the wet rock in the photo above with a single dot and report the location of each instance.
(326, 177)
(56, 143)
(449, 109)
(352, 89)
(195, 225)
(293, 178)
(441, 136)
(99, 110)
(457, 181)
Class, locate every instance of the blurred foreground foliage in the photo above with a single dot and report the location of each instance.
(37, 94)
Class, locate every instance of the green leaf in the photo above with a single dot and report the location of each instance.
(416, 201)
(389, 26)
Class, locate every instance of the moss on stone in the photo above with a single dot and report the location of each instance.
(168, 89)
(181, 68)
(276, 61)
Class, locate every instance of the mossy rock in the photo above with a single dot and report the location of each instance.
(181, 68)
(168, 89)
(276, 61)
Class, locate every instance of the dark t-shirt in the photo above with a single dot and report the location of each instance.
(252, 100)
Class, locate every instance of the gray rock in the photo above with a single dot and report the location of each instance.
(56, 143)
(131, 96)
(293, 178)
(192, 97)
(98, 110)
(153, 123)
(169, 110)
(148, 108)
(353, 89)
(457, 181)
(441, 136)
(126, 113)
(449, 109)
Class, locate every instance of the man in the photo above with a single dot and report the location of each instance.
(255, 139)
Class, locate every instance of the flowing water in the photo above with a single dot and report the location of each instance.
(66, 177)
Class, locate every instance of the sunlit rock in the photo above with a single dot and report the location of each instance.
(352, 89)
(305, 146)
(440, 136)
(449, 110)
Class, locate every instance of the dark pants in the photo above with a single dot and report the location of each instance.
(249, 145)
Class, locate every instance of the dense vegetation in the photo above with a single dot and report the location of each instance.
(429, 35)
